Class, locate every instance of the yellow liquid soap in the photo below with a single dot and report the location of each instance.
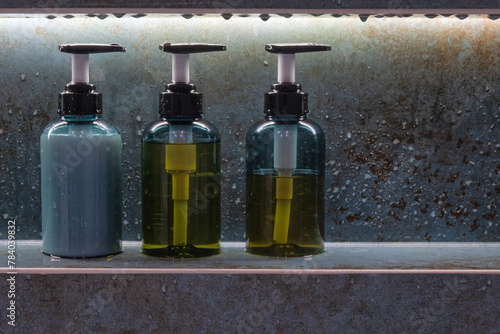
(306, 222)
(181, 227)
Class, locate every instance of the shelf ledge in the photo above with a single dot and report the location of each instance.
(339, 258)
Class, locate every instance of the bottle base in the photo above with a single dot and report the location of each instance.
(284, 250)
(69, 256)
(187, 251)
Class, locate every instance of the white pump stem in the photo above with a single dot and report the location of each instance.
(180, 67)
(285, 148)
(80, 68)
(286, 67)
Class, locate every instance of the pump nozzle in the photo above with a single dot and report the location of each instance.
(180, 57)
(286, 99)
(180, 100)
(79, 96)
(80, 59)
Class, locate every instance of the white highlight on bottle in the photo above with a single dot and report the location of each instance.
(286, 67)
(285, 147)
(80, 68)
(180, 134)
(180, 67)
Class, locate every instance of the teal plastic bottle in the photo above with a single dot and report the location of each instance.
(285, 168)
(81, 170)
(181, 166)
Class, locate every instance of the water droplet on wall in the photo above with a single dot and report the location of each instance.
(264, 17)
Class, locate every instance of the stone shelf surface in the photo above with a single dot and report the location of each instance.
(339, 258)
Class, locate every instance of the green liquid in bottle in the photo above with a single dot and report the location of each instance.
(203, 212)
(307, 222)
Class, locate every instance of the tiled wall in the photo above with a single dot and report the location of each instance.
(410, 107)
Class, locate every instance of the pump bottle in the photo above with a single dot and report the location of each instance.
(285, 168)
(81, 168)
(181, 168)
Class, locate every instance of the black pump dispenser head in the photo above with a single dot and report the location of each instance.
(181, 99)
(285, 97)
(79, 96)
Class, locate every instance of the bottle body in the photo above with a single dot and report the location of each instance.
(304, 213)
(81, 177)
(181, 212)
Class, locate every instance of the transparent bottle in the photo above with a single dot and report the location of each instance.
(81, 171)
(285, 169)
(181, 166)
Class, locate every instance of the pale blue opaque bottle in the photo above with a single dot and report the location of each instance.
(81, 187)
(81, 170)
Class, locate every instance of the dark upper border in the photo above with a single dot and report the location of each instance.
(255, 6)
